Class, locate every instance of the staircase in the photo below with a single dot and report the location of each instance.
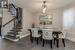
(13, 34)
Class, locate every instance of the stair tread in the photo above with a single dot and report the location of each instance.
(11, 37)
(16, 30)
(11, 32)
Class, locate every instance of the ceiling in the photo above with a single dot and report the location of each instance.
(35, 5)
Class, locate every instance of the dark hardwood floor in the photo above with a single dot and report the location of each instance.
(25, 44)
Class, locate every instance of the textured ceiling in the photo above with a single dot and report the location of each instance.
(35, 5)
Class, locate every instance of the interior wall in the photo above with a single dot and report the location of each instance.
(56, 21)
(27, 22)
(70, 31)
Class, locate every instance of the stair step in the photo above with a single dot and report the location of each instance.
(11, 32)
(13, 35)
(19, 27)
(18, 30)
(11, 38)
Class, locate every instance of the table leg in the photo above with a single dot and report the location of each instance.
(54, 40)
(57, 40)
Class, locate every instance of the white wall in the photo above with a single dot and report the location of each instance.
(69, 21)
(57, 18)
(27, 22)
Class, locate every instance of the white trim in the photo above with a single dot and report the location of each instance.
(15, 40)
(71, 39)
(24, 36)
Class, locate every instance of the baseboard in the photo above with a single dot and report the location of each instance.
(14, 40)
(24, 36)
(71, 39)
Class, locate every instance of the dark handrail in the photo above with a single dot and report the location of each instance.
(8, 22)
(12, 5)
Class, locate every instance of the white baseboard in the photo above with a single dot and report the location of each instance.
(24, 36)
(71, 39)
(14, 40)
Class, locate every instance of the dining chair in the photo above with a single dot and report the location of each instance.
(35, 34)
(61, 35)
(47, 35)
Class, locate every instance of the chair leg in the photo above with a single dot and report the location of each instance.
(57, 43)
(63, 41)
(37, 40)
(41, 38)
(43, 43)
(51, 43)
(54, 41)
(31, 39)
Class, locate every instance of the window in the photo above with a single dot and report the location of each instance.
(68, 18)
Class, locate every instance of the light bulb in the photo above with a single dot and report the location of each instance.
(44, 10)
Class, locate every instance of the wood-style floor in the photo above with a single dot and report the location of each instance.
(25, 44)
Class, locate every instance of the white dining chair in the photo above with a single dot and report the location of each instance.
(62, 36)
(35, 34)
(47, 35)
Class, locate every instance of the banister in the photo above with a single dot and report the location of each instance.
(9, 22)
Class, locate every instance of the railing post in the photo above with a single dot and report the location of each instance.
(15, 27)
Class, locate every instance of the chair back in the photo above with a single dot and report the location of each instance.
(34, 32)
(63, 34)
(47, 34)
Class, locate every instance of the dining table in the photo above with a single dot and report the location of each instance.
(54, 33)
